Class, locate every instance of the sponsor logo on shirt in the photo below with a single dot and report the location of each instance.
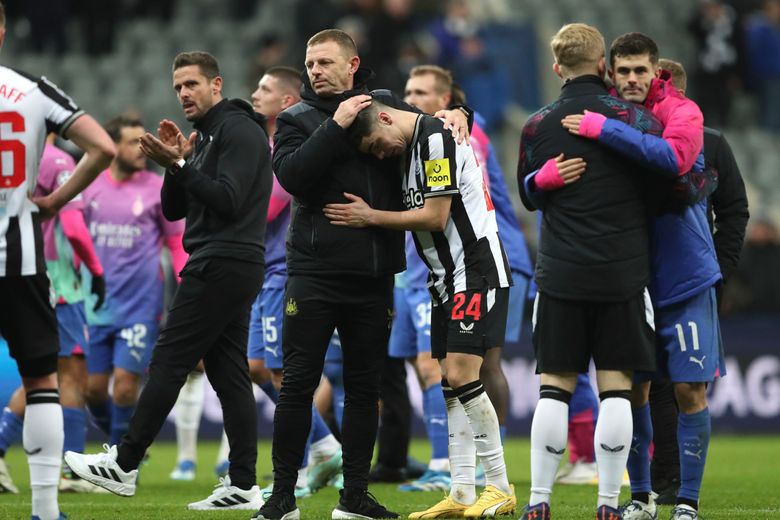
(437, 173)
(413, 199)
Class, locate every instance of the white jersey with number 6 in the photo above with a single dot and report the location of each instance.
(30, 108)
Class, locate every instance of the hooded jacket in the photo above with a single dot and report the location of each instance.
(224, 187)
(315, 162)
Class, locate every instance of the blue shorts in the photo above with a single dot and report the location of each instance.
(411, 332)
(688, 341)
(72, 327)
(334, 354)
(518, 294)
(265, 328)
(128, 347)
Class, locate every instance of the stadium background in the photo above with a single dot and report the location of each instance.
(115, 56)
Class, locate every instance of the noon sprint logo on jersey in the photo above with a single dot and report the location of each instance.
(437, 173)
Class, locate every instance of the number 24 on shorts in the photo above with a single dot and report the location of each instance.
(473, 308)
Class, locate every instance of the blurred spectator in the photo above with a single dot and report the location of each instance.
(485, 82)
(449, 30)
(99, 24)
(387, 31)
(272, 50)
(48, 19)
(716, 28)
(755, 286)
(762, 35)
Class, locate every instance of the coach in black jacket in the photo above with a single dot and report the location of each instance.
(220, 180)
(338, 277)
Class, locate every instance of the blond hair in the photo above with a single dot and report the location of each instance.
(679, 77)
(577, 46)
(442, 77)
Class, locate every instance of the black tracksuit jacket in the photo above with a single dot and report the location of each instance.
(224, 188)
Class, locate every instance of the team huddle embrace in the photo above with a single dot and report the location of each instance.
(332, 232)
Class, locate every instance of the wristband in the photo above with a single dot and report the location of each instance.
(549, 178)
(591, 125)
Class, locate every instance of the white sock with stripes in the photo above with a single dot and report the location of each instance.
(487, 436)
(462, 451)
(189, 409)
(43, 437)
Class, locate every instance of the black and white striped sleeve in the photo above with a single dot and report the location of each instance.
(439, 162)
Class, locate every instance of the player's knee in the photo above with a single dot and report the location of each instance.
(691, 397)
(640, 395)
(555, 392)
(125, 389)
(37, 368)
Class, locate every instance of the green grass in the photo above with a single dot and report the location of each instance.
(742, 482)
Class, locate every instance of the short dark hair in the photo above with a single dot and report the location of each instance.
(343, 40)
(115, 125)
(290, 77)
(633, 44)
(364, 122)
(205, 61)
(2, 15)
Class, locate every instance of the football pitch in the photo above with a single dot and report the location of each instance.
(742, 481)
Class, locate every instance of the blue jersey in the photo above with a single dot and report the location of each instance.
(683, 256)
(416, 274)
(508, 227)
(682, 251)
(275, 261)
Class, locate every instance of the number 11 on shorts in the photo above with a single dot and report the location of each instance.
(681, 335)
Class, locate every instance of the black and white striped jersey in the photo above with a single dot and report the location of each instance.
(29, 109)
(468, 254)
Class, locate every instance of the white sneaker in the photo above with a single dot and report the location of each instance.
(6, 482)
(684, 512)
(580, 473)
(184, 470)
(79, 485)
(564, 471)
(102, 470)
(636, 510)
(227, 497)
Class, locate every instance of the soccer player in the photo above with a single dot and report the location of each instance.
(685, 271)
(448, 207)
(62, 236)
(592, 270)
(122, 208)
(729, 205)
(30, 108)
(337, 278)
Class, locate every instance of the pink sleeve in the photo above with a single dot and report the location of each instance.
(178, 255)
(480, 143)
(684, 131)
(279, 200)
(75, 230)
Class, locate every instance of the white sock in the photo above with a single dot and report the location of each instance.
(462, 450)
(43, 436)
(612, 442)
(323, 448)
(303, 479)
(439, 465)
(487, 437)
(224, 448)
(189, 408)
(549, 434)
